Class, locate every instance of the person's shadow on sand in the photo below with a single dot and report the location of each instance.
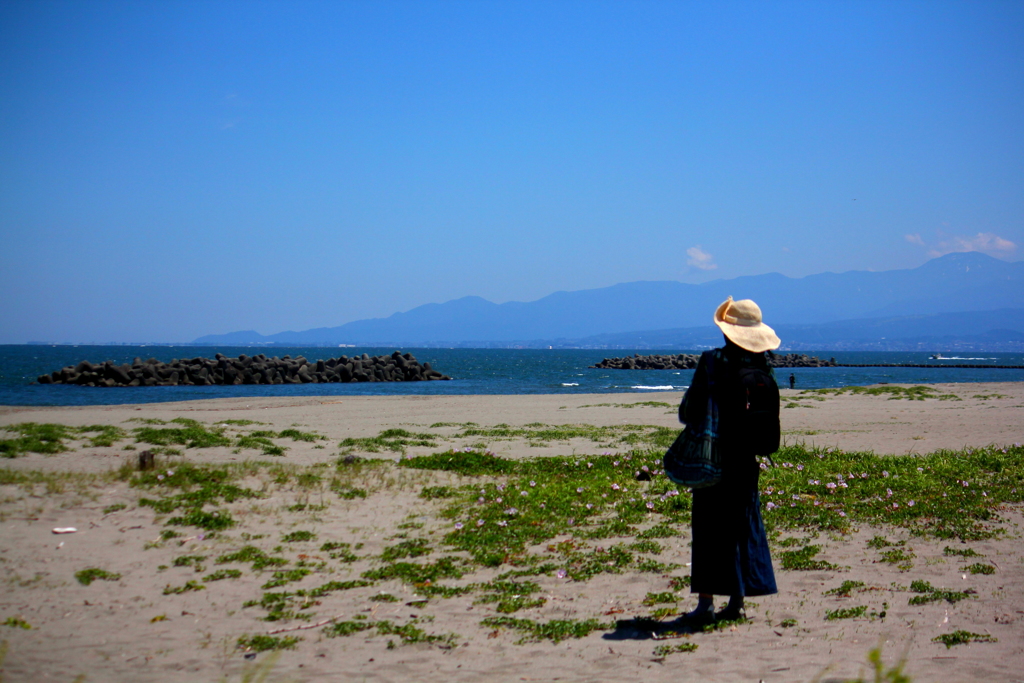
(644, 628)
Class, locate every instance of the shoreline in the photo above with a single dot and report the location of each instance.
(483, 372)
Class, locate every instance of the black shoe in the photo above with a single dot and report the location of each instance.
(698, 618)
(731, 614)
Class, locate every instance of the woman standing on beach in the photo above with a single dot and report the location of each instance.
(730, 547)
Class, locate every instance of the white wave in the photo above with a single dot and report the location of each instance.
(570, 384)
(961, 358)
(667, 387)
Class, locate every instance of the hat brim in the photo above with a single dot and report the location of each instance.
(757, 338)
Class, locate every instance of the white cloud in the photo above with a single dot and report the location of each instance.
(985, 242)
(914, 239)
(700, 259)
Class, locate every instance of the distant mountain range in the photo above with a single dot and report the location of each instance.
(962, 300)
(1000, 330)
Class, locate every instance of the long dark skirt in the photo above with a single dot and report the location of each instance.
(730, 547)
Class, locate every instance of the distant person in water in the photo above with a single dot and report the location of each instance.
(792, 381)
(729, 547)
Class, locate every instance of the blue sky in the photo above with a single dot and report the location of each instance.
(174, 169)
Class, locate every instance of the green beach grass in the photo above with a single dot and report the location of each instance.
(571, 518)
(577, 517)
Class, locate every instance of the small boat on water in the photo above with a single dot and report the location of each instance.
(936, 356)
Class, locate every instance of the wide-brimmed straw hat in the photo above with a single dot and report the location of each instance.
(741, 323)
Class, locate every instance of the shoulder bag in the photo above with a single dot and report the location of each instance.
(693, 459)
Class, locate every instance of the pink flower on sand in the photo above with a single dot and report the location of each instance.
(560, 574)
(771, 506)
(458, 525)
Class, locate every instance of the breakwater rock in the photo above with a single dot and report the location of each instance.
(801, 360)
(688, 361)
(682, 361)
(245, 370)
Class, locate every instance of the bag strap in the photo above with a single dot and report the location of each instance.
(711, 417)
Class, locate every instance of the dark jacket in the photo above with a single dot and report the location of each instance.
(730, 553)
(727, 362)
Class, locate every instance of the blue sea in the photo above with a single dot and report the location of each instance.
(474, 371)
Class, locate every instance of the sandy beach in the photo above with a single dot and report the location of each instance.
(138, 627)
